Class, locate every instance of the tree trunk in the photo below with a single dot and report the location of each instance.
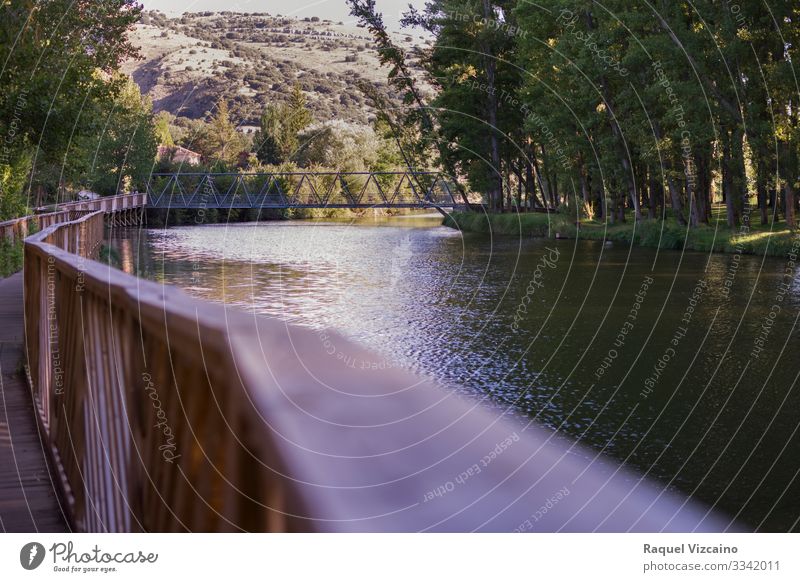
(656, 193)
(675, 199)
(597, 191)
(702, 188)
(530, 186)
(761, 192)
(496, 190)
(694, 217)
(727, 180)
(545, 179)
(644, 188)
(605, 92)
(509, 192)
(554, 189)
(674, 194)
(739, 176)
(788, 176)
(585, 188)
(541, 181)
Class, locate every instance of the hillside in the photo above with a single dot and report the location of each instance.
(252, 59)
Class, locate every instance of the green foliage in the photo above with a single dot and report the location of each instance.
(13, 177)
(664, 234)
(219, 141)
(110, 256)
(64, 101)
(340, 146)
(11, 256)
(413, 126)
(278, 141)
(119, 156)
(567, 101)
(535, 224)
(161, 128)
(655, 233)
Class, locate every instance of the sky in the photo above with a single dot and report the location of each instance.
(335, 10)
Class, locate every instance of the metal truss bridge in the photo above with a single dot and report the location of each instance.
(300, 190)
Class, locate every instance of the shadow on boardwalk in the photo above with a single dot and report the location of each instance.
(28, 501)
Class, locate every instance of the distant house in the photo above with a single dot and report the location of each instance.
(178, 155)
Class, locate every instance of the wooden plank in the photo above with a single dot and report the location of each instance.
(28, 499)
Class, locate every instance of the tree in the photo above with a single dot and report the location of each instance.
(13, 175)
(413, 126)
(471, 65)
(161, 128)
(60, 58)
(277, 139)
(271, 138)
(219, 141)
(118, 154)
(339, 145)
(299, 117)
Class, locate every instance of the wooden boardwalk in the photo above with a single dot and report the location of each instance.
(28, 501)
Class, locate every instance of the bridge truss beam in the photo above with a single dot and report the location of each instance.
(281, 190)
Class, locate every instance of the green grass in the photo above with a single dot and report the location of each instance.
(771, 239)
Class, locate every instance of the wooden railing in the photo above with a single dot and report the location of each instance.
(165, 413)
(108, 203)
(19, 228)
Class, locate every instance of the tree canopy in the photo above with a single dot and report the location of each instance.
(67, 118)
(658, 109)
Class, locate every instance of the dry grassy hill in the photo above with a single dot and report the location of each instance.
(253, 59)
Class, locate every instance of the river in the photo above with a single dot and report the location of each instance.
(682, 365)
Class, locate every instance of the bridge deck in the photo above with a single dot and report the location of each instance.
(28, 502)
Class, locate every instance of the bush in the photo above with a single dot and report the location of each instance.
(11, 255)
(110, 255)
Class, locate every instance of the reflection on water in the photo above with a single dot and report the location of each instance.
(683, 366)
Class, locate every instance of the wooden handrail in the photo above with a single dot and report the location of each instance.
(108, 203)
(17, 229)
(166, 413)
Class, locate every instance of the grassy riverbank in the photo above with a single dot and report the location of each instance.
(774, 240)
(160, 217)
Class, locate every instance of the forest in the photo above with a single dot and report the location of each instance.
(615, 110)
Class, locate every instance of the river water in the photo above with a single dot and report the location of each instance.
(682, 365)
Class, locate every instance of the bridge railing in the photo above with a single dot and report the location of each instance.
(165, 413)
(408, 189)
